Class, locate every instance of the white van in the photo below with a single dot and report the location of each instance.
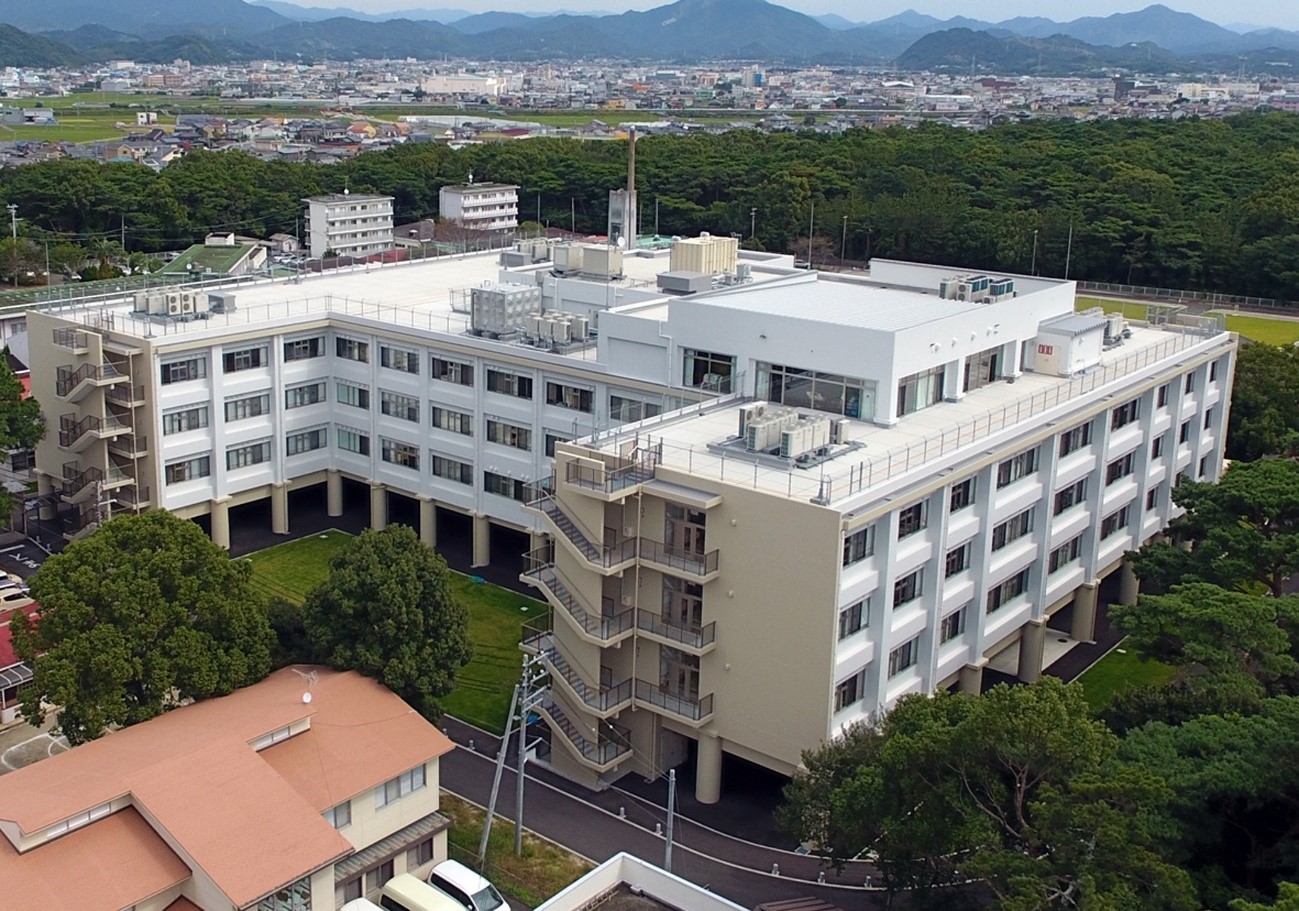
(360, 904)
(408, 893)
(464, 885)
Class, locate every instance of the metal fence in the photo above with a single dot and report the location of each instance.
(1174, 296)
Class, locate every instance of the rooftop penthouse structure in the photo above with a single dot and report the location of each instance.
(902, 479)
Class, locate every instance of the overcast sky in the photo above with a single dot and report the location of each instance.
(1275, 13)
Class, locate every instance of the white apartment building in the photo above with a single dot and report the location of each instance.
(348, 224)
(759, 513)
(481, 206)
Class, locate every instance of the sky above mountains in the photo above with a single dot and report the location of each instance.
(1252, 13)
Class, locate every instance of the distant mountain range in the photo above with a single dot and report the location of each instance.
(1156, 39)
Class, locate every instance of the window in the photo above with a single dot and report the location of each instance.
(958, 560)
(352, 350)
(1213, 371)
(982, 368)
(1208, 418)
(350, 440)
(247, 456)
(801, 388)
(401, 454)
(340, 817)
(848, 692)
(450, 419)
(182, 421)
(1012, 529)
(913, 519)
(1184, 433)
(302, 349)
(1113, 522)
(1125, 414)
(293, 897)
(907, 589)
(708, 370)
(376, 877)
(1065, 554)
(1161, 396)
(189, 469)
(453, 470)
(194, 368)
(245, 359)
(858, 546)
(962, 494)
(1204, 468)
(626, 411)
(1008, 591)
(253, 406)
(854, 618)
(399, 359)
(349, 891)
(310, 394)
(1070, 496)
(920, 390)
(505, 487)
(1073, 440)
(396, 405)
(902, 657)
(952, 626)
(509, 384)
(1118, 469)
(352, 394)
(453, 372)
(1157, 447)
(1021, 466)
(419, 854)
(507, 434)
(1190, 382)
(396, 788)
(306, 441)
(552, 439)
(566, 396)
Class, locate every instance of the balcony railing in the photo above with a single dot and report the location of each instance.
(132, 496)
(604, 625)
(67, 379)
(610, 479)
(129, 445)
(678, 560)
(77, 479)
(71, 429)
(605, 555)
(73, 339)
(697, 638)
(694, 710)
(612, 743)
(125, 395)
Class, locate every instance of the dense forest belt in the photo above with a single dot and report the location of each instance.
(1203, 205)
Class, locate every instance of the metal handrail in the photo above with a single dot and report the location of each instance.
(662, 555)
(74, 339)
(602, 625)
(622, 475)
(611, 743)
(693, 636)
(694, 709)
(67, 378)
(602, 699)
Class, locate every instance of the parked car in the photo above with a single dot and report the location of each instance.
(464, 885)
(14, 597)
(407, 893)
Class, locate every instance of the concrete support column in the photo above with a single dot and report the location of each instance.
(537, 540)
(45, 486)
(1032, 639)
(708, 768)
(428, 521)
(334, 493)
(221, 523)
(378, 506)
(1129, 585)
(280, 509)
(971, 679)
(1083, 627)
(482, 541)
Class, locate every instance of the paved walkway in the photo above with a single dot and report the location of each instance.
(599, 825)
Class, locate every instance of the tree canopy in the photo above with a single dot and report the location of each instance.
(143, 614)
(22, 425)
(1264, 418)
(387, 611)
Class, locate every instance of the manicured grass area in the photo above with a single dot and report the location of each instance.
(496, 616)
(539, 872)
(1130, 310)
(1119, 670)
(1264, 329)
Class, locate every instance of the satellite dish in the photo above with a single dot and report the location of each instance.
(306, 697)
(622, 242)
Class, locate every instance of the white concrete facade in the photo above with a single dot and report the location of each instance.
(348, 224)
(481, 206)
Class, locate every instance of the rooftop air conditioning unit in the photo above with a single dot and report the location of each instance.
(174, 306)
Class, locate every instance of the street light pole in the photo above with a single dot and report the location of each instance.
(1033, 269)
(843, 249)
(753, 222)
(13, 221)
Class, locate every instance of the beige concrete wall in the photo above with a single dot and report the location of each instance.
(370, 825)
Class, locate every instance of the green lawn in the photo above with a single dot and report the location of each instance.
(496, 616)
(1264, 329)
(1119, 670)
(1130, 310)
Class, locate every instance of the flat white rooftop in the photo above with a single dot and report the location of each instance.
(689, 437)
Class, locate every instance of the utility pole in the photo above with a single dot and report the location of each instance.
(811, 226)
(1033, 269)
(672, 808)
(496, 780)
(656, 216)
(532, 673)
(13, 221)
(753, 222)
(843, 249)
(1068, 252)
(572, 203)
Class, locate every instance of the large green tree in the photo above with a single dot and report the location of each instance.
(1264, 417)
(22, 425)
(1243, 531)
(388, 611)
(1019, 787)
(141, 615)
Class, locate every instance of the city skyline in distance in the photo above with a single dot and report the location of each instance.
(1253, 14)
